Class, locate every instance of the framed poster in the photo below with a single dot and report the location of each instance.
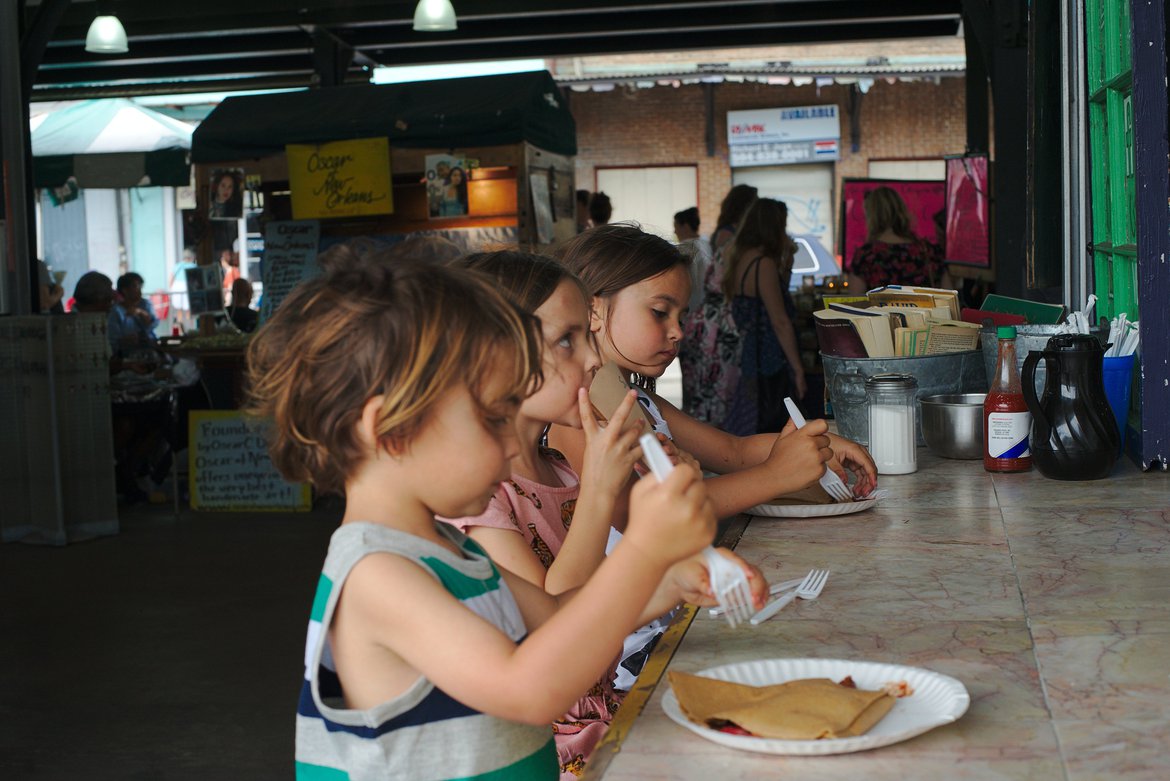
(227, 194)
(446, 186)
(968, 211)
(925, 200)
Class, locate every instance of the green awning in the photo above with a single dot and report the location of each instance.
(477, 111)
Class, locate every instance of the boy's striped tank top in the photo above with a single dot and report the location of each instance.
(423, 733)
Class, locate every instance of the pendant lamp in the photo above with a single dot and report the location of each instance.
(106, 36)
(434, 16)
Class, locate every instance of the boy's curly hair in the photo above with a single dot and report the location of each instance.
(407, 329)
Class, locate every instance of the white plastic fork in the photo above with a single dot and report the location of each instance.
(810, 588)
(834, 486)
(728, 581)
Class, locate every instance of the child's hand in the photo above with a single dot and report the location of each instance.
(671, 520)
(800, 456)
(610, 452)
(677, 454)
(694, 584)
(847, 454)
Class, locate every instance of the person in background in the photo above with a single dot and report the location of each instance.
(735, 205)
(691, 244)
(132, 320)
(229, 267)
(600, 209)
(377, 377)
(242, 315)
(892, 254)
(757, 265)
(50, 293)
(583, 210)
(93, 294)
(180, 301)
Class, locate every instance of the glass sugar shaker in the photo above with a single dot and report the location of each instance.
(893, 430)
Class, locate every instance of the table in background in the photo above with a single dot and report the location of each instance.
(1049, 600)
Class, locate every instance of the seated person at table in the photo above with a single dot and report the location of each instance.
(93, 294)
(243, 316)
(377, 378)
(132, 323)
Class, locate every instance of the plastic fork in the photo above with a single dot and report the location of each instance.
(834, 486)
(728, 581)
(810, 588)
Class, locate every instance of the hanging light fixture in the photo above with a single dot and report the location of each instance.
(106, 36)
(434, 16)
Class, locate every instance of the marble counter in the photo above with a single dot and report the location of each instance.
(1049, 600)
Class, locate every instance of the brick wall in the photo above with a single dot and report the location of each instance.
(666, 125)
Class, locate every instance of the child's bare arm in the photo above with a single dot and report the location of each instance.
(405, 611)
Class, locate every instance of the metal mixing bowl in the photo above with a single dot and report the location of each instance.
(952, 424)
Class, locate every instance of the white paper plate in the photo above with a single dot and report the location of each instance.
(812, 510)
(938, 699)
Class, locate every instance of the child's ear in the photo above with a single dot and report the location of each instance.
(597, 314)
(367, 427)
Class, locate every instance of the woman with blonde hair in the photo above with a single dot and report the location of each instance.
(892, 253)
(756, 269)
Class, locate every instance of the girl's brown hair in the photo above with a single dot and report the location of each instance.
(885, 210)
(407, 330)
(526, 278)
(762, 233)
(609, 258)
(735, 204)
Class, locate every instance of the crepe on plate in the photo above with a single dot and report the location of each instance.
(808, 709)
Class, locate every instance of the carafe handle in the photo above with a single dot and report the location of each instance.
(1028, 387)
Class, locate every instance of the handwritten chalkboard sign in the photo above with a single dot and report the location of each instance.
(290, 257)
(230, 469)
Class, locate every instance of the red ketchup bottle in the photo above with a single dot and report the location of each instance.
(1006, 420)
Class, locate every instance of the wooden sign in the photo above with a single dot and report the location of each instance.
(230, 469)
(340, 178)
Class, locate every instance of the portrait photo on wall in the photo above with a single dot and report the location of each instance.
(447, 177)
(226, 194)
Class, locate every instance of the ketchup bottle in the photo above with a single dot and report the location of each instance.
(1006, 420)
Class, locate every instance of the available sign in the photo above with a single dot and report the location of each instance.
(340, 178)
(776, 136)
(230, 469)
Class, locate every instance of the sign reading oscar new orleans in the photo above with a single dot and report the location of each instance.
(340, 178)
(775, 136)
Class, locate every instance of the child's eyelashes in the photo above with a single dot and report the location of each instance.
(660, 314)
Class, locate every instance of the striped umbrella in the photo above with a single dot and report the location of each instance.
(108, 144)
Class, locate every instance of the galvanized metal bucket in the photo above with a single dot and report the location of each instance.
(1029, 338)
(946, 373)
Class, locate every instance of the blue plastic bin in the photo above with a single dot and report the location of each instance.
(1117, 373)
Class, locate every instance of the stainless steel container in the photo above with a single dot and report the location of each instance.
(946, 373)
(952, 424)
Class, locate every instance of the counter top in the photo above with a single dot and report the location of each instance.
(1049, 600)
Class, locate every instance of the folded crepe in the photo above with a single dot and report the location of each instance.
(809, 709)
(813, 494)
